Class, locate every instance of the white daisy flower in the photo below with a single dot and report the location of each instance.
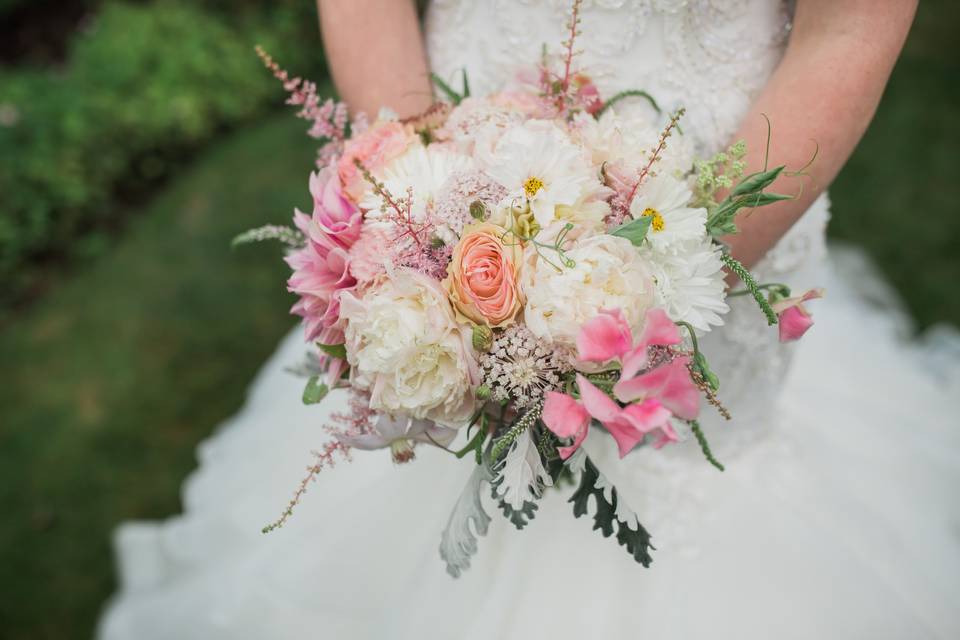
(536, 162)
(689, 282)
(422, 170)
(665, 199)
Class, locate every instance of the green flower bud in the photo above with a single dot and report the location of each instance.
(483, 392)
(478, 211)
(482, 337)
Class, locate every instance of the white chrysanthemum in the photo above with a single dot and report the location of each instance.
(665, 199)
(627, 138)
(406, 348)
(689, 283)
(423, 171)
(538, 162)
(607, 272)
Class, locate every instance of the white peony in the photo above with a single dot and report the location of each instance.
(405, 347)
(607, 273)
(665, 199)
(690, 282)
(538, 163)
(627, 138)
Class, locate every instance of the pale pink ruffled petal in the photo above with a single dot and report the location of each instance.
(669, 383)
(794, 322)
(659, 329)
(604, 337)
(563, 414)
(635, 422)
(794, 319)
(596, 402)
(667, 435)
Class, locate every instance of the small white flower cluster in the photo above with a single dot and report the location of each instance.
(520, 367)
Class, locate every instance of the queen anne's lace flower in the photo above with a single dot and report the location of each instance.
(521, 367)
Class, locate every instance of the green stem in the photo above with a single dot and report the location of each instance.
(704, 445)
(741, 272)
(693, 335)
(776, 286)
(475, 442)
(630, 93)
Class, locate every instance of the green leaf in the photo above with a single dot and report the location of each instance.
(635, 230)
(635, 539)
(315, 391)
(763, 199)
(333, 350)
(700, 362)
(756, 182)
(446, 89)
(466, 84)
(517, 517)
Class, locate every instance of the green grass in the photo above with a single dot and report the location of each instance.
(112, 379)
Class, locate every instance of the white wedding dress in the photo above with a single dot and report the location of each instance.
(837, 516)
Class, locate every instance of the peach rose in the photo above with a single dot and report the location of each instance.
(483, 276)
(374, 148)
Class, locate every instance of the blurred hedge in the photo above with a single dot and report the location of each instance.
(142, 84)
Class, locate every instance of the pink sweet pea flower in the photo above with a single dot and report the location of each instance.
(794, 319)
(651, 398)
(567, 417)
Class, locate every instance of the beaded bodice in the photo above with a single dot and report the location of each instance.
(710, 56)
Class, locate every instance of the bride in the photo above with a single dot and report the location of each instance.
(836, 516)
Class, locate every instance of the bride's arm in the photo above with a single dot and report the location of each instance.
(826, 89)
(376, 54)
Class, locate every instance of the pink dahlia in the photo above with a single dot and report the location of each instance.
(321, 268)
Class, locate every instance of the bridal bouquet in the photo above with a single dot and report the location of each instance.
(513, 271)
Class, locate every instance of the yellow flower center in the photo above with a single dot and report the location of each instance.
(532, 185)
(657, 222)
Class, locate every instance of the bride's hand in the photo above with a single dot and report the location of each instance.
(376, 54)
(824, 93)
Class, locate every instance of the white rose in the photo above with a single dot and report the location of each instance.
(406, 348)
(608, 273)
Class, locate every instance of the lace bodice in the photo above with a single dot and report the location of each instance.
(712, 57)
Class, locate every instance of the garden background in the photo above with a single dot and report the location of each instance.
(136, 139)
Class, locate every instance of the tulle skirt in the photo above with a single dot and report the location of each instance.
(840, 520)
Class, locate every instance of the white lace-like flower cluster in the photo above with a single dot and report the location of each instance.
(520, 367)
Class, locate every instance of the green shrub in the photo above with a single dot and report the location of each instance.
(142, 84)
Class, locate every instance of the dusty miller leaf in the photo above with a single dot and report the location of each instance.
(517, 517)
(309, 366)
(611, 511)
(458, 542)
(521, 475)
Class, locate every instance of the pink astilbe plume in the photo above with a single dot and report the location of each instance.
(413, 242)
(329, 119)
(358, 421)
